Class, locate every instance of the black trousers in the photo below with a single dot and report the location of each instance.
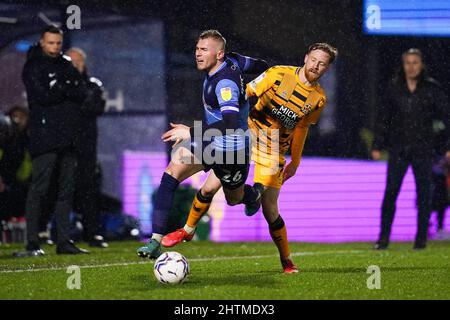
(86, 190)
(397, 167)
(63, 164)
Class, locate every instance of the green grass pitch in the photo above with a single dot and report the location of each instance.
(234, 271)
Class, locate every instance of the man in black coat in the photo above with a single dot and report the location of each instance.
(55, 90)
(405, 129)
(86, 190)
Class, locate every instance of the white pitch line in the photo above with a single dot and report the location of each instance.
(118, 264)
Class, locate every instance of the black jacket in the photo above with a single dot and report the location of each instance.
(405, 120)
(92, 107)
(55, 91)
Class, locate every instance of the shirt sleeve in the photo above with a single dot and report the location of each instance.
(248, 65)
(297, 144)
(261, 84)
(301, 131)
(227, 92)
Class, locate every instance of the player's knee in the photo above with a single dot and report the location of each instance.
(210, 190)
(233, 200)
(208, 193)
(171, 171)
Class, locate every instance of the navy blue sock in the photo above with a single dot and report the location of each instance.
(163, 203)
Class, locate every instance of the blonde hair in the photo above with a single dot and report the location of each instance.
(214, 34)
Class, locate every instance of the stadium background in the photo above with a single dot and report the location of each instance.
(143, 52)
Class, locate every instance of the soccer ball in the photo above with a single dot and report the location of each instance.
(171, 267)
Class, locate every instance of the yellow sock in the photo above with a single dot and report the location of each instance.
(199, 207)
(279, 236)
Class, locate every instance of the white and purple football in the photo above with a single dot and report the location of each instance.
(171, 267)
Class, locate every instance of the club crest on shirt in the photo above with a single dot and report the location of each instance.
(225, 93)
(306, 109)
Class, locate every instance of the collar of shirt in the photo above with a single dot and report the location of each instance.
(218, 69)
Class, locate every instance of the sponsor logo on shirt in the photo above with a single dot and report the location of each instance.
(286, 116)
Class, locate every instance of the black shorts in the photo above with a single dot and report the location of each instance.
(231, 167)
(231, 176)
(233, 170)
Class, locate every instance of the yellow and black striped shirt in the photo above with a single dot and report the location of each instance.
(284, 103)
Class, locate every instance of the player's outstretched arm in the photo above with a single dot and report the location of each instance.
(297, 144)
(248, 65)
